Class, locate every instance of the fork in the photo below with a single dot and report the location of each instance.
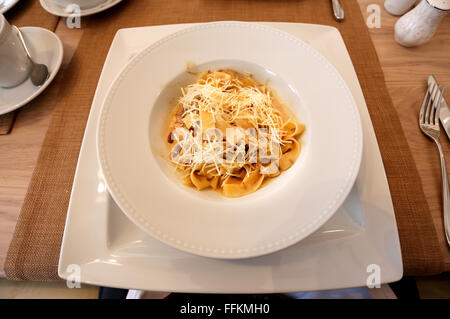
(429, 124)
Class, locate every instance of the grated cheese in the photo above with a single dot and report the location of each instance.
(223, 98)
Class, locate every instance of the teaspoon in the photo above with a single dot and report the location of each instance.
(39, 72)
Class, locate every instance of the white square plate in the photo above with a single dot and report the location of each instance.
(112, 251)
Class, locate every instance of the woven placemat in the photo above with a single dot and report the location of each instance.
(26, 13)
(34, 251)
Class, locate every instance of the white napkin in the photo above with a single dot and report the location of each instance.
(384, 292)
(142, 294)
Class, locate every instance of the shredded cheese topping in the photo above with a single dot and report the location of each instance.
(221, 122)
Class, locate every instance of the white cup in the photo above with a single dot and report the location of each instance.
(83, 4)
(15, 66)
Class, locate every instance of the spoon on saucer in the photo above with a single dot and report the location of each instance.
(39, 72)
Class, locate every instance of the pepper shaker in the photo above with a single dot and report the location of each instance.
(419, 25)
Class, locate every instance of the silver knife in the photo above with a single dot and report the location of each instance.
(445, 110)
(338, 10)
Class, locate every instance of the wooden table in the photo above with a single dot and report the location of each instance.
(405, 71)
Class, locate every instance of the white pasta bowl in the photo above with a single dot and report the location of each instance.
(133, 155)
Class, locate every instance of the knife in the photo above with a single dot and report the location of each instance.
(445, 110)
(338, 10)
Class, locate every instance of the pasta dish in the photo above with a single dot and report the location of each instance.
(230, 133)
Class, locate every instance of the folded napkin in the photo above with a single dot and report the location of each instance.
(384, 292)
(26, 13)
(142, 294)
(34, 251)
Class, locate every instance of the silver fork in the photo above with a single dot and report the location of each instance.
(429, 124)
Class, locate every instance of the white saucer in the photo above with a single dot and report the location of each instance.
(59, 10)
(5, 5)
(45, 47)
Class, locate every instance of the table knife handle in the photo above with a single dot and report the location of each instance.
(445, 193)
(338, 10)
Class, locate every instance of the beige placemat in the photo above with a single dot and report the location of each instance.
(26, 13)
(34, 251)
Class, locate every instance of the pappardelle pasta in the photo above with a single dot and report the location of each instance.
(230, 132)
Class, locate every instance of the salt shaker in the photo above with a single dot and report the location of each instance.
(419, 25)
(398, 7)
